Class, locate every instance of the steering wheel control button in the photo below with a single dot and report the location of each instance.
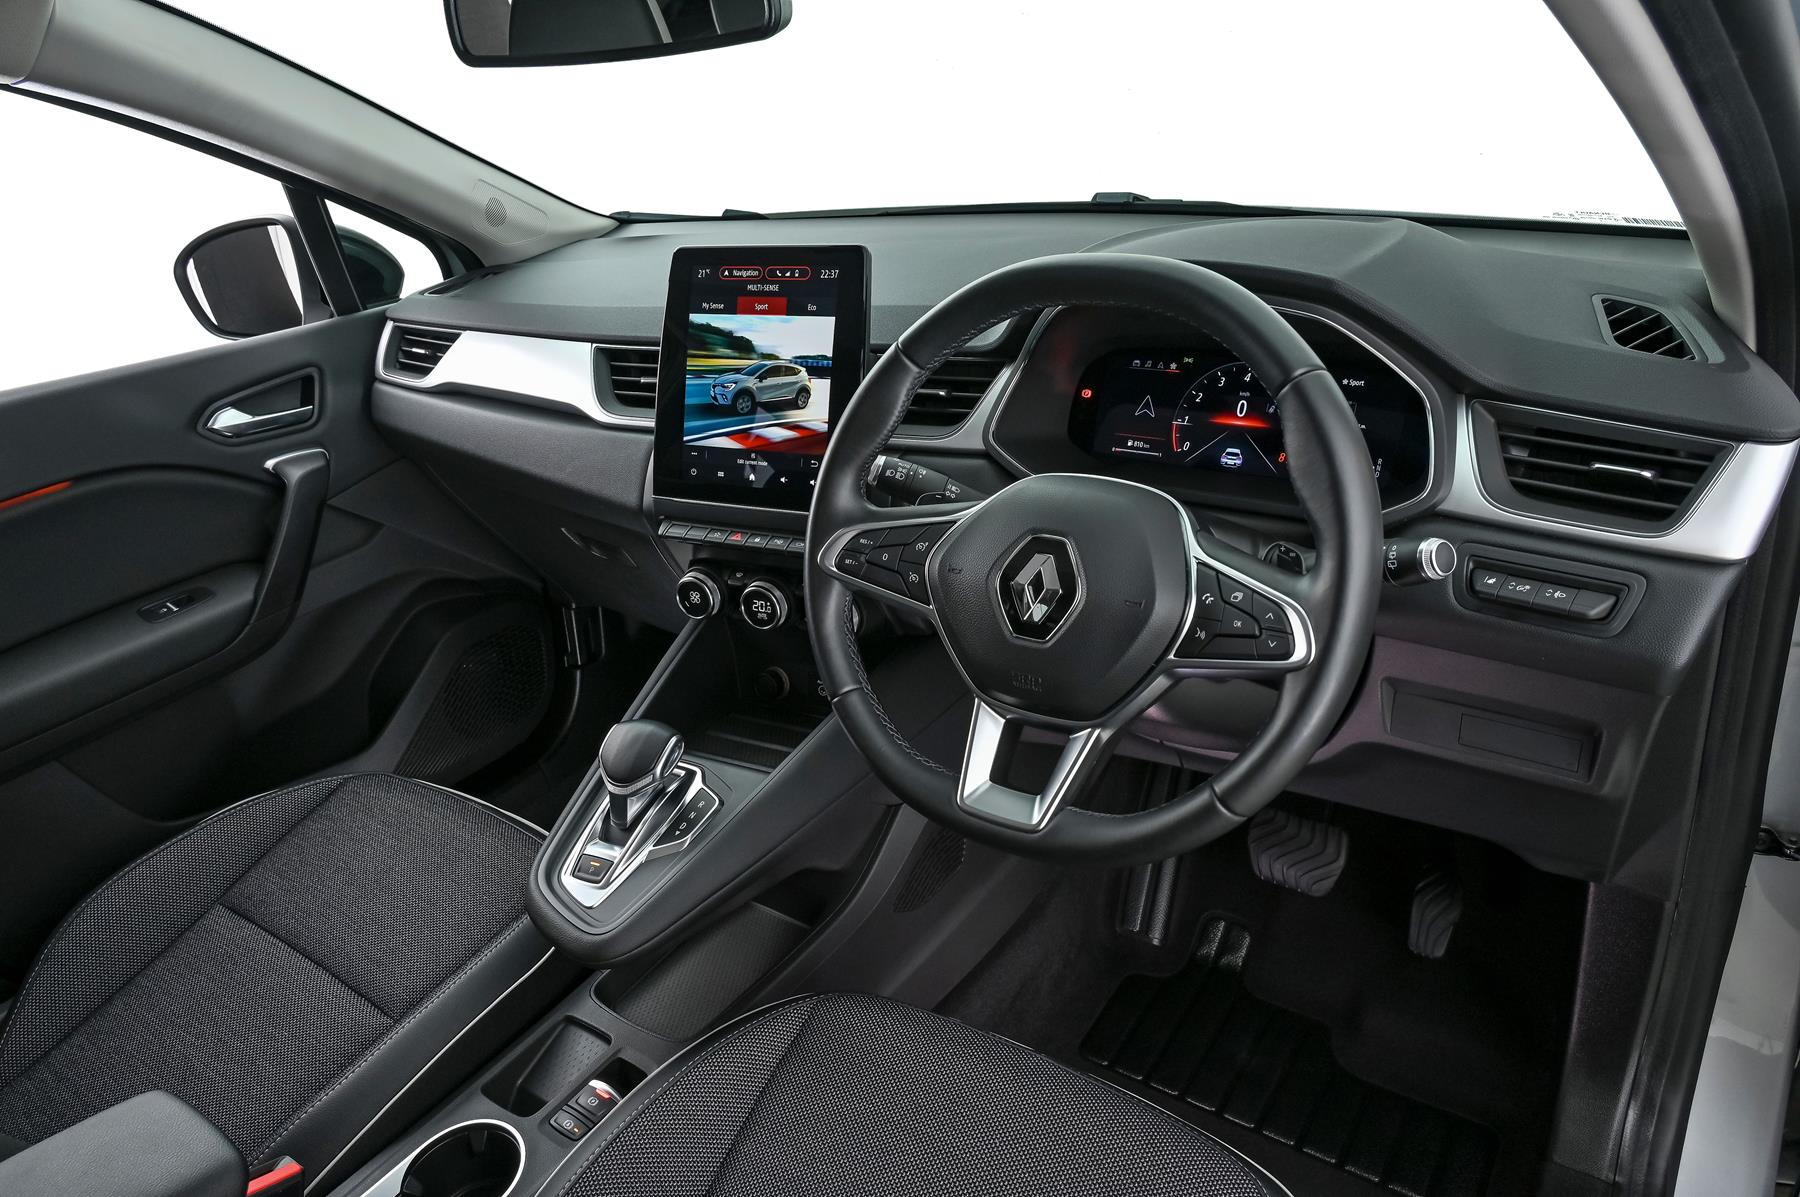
(917, 543)
(1285, 556)
(1269, 615)
(1200, 633)
(887, 556)
(1207, 601)
(1230, 648)
(865, 542)
(850, 562)
(1235, 622)
(913, 578)
(1236, 594)
(1520, 592)
(763, 605)
(1274, 646)
(887, 579)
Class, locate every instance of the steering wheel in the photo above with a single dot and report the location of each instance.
(1070, 602)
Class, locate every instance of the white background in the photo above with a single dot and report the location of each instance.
(1401, 105)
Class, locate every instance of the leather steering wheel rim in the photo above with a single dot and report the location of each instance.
(1332, 478)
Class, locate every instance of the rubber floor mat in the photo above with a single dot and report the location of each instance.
(1200, 1036)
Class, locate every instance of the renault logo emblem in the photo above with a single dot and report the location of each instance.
(1039, 586)
(1036, 589)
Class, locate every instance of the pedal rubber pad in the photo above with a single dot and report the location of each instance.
(1437, 904)
(1303, 855)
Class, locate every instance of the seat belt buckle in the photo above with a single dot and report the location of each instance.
(284, 1175)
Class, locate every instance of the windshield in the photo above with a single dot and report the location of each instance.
(1394, 105)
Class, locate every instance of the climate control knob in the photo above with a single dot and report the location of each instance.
(699, 594)
(764, 605)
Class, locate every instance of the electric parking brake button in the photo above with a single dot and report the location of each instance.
(595, 1100)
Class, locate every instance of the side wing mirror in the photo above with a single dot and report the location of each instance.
(249, 277)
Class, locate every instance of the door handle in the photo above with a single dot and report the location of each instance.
(233, 422)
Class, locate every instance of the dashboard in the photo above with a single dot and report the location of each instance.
(1500, 416)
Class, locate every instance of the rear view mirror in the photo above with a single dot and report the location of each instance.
(489, 33)
(249, 277)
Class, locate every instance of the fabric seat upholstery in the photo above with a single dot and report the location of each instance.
(285, 967)
(843, 1095)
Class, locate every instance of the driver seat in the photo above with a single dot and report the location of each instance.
(846, 1094)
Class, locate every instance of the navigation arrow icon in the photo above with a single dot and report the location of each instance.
(1147, 408)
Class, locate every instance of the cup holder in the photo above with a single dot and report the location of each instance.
(476, 1159)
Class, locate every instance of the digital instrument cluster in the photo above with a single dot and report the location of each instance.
(1199, 409)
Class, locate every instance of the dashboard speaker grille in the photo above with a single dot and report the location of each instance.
(631, 372)
(415, 352)
(1638, 476)
(1642, 328)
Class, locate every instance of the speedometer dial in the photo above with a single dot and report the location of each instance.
(1227, 421)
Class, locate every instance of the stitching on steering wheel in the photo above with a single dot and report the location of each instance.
(862, 677)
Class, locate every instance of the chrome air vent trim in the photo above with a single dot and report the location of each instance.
(1725, 522)
(536, 370)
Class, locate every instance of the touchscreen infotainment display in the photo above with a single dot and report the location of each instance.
(761, 346)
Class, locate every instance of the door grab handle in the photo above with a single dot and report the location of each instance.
(233, 422)
(306, 480)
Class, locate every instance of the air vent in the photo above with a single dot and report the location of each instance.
(1642, 328)
(632, 369)
(951, 392)
(417, 351)
(1566, 465)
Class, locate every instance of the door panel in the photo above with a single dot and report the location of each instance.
(332, 583)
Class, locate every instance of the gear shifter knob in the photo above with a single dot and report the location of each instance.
(636, 759)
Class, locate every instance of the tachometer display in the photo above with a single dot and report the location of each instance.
(1208, 411)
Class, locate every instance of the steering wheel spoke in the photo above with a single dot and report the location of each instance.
(993, 738)
(886, 558)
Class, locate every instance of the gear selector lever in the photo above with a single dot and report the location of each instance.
(637, 760)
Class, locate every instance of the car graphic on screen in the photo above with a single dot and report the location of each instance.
(764, 383)
(1232, 458)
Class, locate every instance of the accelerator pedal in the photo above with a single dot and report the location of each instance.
(1295, 853)
(1437, 904)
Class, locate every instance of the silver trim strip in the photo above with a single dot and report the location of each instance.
(541, 369)
(1725, 522)
(389, 1184)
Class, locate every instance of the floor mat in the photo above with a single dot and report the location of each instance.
(1200, 1036)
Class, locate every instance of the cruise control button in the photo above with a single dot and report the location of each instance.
(1269, 615)
(1234, 622)
(850, 563)
(1486, 582)
(1207, 601)
(921, 541)
(1274, 646)
(914, 578)
(864, 542)
(887, 579)
(1518, 591)
(1593, 604)
(1553, 598)
(886, 556)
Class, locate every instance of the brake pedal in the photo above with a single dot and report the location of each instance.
(1436, 906)
(1300, 854)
